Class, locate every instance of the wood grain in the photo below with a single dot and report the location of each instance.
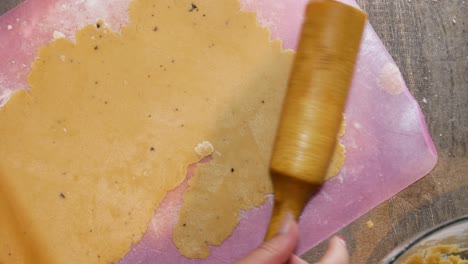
(315, 100)
(428, 41)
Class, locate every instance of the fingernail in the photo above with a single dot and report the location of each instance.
(341, 240)
(286, 224)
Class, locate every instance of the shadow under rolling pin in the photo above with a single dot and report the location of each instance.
(313, 107)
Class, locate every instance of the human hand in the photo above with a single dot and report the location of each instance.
(279, 249)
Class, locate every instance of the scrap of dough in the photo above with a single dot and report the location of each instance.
(204, 148)
(110, 124)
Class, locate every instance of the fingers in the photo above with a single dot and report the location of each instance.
(336, 252)
(277, 250)
(280, 248)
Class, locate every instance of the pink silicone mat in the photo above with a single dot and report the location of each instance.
(387, 143)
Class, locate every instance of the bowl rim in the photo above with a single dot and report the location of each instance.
(403, 248)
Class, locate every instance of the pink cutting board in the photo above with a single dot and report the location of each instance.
(387, 143)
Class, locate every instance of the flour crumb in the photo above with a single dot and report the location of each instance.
(390, 79)
(9, 27)
(58, 34)
(370, 224)
(424, 100)
(204, 148)
(340, 178)
(454, 21)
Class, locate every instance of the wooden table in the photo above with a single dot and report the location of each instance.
(428, 39)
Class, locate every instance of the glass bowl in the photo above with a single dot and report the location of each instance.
(445, 243)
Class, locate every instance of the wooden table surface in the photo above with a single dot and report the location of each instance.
(428, 39)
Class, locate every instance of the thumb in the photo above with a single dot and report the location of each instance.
(336, 252)
(277, 250)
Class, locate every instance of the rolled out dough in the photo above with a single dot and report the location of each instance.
(111, 123)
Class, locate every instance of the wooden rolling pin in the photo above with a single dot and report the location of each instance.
(313, 107)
